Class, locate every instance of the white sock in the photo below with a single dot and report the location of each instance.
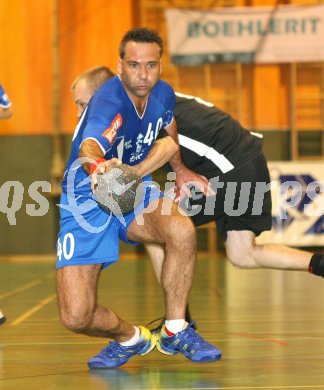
(174, 326)
(133, 340)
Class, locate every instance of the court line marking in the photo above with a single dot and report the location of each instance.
(255, 337)
(20, 289)
(33, 310)
(25, 287)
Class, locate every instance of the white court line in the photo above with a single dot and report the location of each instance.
(20, 289)
(33, 310)
(25, 287)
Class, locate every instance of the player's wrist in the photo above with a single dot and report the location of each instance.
(95, 164)
(180, 169)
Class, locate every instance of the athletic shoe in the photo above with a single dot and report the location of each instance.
(157, 329)
(114, 355)
(2, 318)
(190, 344)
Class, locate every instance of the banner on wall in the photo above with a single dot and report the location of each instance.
(278, 34)
(298, 204)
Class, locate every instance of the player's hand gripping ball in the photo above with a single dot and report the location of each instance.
(119, 190)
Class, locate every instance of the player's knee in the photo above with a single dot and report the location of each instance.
(241, 258)
(76, 320)
(187, 230)
(240, 248)
(182, 232)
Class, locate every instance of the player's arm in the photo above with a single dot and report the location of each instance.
(92, 160)
(90, 152)
(161, 152)
(95, 143)
(5, 113)
(176, 161)
(184, 174)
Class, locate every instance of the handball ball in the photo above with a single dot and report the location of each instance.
(119, 190)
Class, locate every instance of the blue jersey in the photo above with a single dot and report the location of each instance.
(88, 234)
(4, 100)
(111, 119)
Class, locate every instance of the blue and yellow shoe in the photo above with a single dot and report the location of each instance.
(189, 343)
(114, 355)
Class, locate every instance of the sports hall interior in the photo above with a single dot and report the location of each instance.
(268, 323)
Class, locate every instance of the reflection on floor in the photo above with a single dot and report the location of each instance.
(269, 325)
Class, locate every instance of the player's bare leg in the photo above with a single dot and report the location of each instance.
(243, 252)
(156, 254)
(177, 236)
(79, 310)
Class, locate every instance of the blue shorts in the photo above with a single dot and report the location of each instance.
(89, 234)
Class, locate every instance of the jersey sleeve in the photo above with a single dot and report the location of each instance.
(4, 99)
(104, 120)
(169, 105)
(165, 96)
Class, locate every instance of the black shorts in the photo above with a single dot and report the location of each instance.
(242, 201)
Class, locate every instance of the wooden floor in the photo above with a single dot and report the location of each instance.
(269, 325)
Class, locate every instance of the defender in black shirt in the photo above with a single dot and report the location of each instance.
(216, 146)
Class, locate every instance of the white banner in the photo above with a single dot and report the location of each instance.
(298, 204)
(279, 34)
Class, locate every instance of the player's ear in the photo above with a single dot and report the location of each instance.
(119, 65)
(161, 67)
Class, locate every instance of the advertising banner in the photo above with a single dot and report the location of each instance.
(298, 204)
(278, 34)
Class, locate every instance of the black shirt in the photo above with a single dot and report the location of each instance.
(211, 141)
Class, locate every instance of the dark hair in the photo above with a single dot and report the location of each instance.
(140, 34)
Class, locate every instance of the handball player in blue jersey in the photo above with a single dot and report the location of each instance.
(123, 123)
(212, 143)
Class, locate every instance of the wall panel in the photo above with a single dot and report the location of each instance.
(89, 34)
(270, 98)
(24, 69)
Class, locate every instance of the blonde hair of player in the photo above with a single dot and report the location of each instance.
(86, 84)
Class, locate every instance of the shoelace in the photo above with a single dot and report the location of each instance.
(112, 349)
(192, 338)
